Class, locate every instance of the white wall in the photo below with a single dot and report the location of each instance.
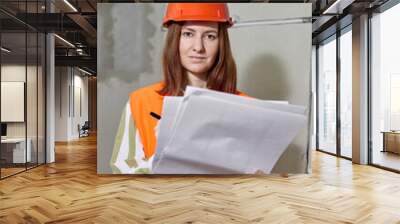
(70, 83)
(61, 103)
(274, 63)
(79, 117)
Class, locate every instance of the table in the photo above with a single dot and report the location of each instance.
(16, 148)
(391, 141)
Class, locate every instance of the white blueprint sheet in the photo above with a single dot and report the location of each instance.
(165, 125)
(215, 133)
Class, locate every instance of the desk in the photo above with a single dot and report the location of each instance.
(16, 148)
(391, 141)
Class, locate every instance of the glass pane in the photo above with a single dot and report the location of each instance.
(41, 98)
(32, 7)
(346, 94)
(22, 89)
(386, 89)
(31, 99)
(13, 87)
(314, 91)
(327, 97)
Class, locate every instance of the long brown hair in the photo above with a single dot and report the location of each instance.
(221, 76)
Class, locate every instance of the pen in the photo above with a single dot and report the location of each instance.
(156, 116)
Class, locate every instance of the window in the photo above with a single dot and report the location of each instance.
(385, 89)
(346, 93)
(327, 97)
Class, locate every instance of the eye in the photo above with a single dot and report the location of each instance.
(211, 36)
(187, 34)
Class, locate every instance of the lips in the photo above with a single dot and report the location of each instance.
(197, 58)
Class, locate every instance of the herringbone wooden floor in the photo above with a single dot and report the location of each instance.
(70, 191)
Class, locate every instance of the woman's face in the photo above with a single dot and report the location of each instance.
(198, 46)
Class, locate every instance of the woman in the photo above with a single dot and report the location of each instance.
(197, 52)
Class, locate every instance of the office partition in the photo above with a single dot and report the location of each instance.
(22, 88)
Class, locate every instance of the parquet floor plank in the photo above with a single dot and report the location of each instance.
(70, 191)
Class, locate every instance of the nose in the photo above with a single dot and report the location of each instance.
(198, 45)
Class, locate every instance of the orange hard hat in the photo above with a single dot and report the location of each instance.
(215, 12)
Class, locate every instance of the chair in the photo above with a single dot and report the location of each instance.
(84, 130)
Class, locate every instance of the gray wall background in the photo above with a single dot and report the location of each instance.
(273, 63)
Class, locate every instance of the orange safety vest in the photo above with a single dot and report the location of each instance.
(142, 102)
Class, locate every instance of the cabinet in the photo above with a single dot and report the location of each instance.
(391, 141)
(13, 150)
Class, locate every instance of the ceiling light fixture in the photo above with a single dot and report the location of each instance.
(64, 40)
(70, 5)
(84, 71)
(79, 51)
(5, 50)
(337, 7)
(284, 21)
